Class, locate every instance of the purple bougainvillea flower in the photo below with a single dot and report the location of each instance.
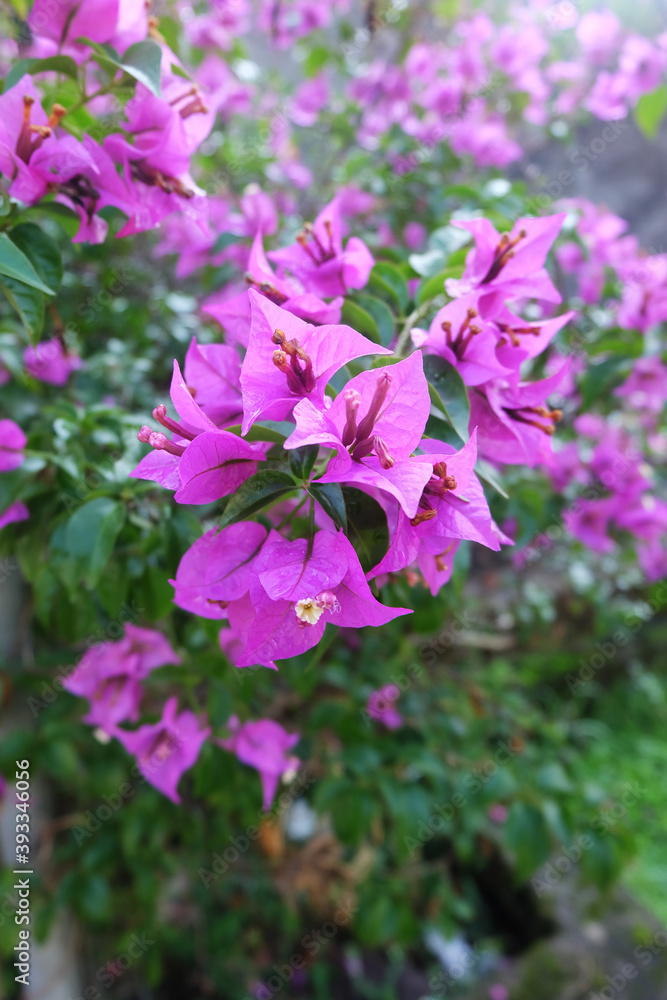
(212, 374)
(218, 569)
(31, 156)
(12, 443)
(646, 387)
(318, 259)
(297, 588)
(264, 745)
(374, 425)
(233, 312)
(520, 339)
(16, 511)
(508, 266)
(109, 675)
(381, 706)
(459, 335)
(514, 426)
(451, 508)
(590, 522)
(166, 749)
(50, 362)
(288, 360)
(201, 463)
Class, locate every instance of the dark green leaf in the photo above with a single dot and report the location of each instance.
(91, 533)
(256, 492)
(15, 264)
(440, 430)
(392, 278)
(302, 460)
(360, 320)
(330, 498)
(42, 252)
(366, 527)
(451, 392)
(225, 240)
(55, 64)
(382, 315)
(258, 432)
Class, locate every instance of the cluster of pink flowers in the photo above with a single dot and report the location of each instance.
(110, 677)
(458, 91)
(277, 592)
(143, 171)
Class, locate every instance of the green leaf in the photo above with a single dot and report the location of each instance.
(91, 534)
(360, 320)
(302, 460)
(256, 492)
(366, 527)
(42, 252)
(63, 215)
(258, 432)
(141, 61)
(225, 240)
(440, 430)
(17, 72)
(487, 473)
(382, 315)
(429, 263)
(15, 264)
(650, 110)
(330, 498)
(55, 64)
(451, 392)
(29, 304)
(430, 288)
(391, 278)
(527, 835)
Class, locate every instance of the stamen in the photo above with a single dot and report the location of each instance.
(162, 443)
(382, 452)
(57, 112)
(352, 400)
(381, 389)
(421, 516)
(504, 252)
(160, 414)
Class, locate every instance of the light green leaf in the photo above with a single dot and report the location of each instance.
(650, 111)
(15, 264)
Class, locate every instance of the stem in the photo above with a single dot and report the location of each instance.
(414, 317)
(292, 513)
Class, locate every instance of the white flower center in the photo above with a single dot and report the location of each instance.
(309, 610)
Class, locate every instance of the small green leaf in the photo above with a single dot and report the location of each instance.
(91, 534)
(142, 61)
(451, 392)
(382, 315)
(258, 432)
(360, 320)
(302, 460)
(55, 64)
(330, 497)
(15, 264)
(29, 304)
(650, 111)
(17, 72)
(256, 492)
(41, 250)
(225, 240)
(391, 277)
(366, 527)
